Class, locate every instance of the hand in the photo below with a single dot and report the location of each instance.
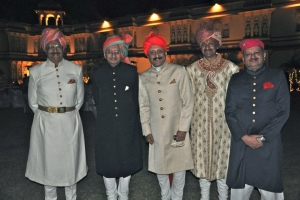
(252, 142)
(180, 136)
(149, 138)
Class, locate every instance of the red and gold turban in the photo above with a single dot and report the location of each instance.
(123, 44)
(154, 39)
(207, 31)
(248, 43)
(50, 34)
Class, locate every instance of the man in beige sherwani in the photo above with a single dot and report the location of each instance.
(56, 93)
(166, 106)
(210, 134)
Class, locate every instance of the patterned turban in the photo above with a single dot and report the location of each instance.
(50, 34)
(123, 44)
(207, 31)
(154, 39)
(248, 43)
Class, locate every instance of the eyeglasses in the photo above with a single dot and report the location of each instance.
(113, 52)
(52, 47)
(158, 52)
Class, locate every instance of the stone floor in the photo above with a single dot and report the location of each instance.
(14, 143)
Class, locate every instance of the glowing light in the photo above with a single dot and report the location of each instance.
(154, 17)
(214, 16)
(216, 8)
(105, 24)
(291, 6)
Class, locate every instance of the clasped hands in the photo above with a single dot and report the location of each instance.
(252, 141)
(180, 137)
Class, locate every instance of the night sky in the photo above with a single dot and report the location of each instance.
(80, 11)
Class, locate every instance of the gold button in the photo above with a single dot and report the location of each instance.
(58, 82)
(253, 112)
(160, 99)
(253, 105)
(254, 97)
(254, 83)
(161, 108)
(115, 100)
(254, 90)
(159, 91)
(114, 73)
(158, 82)
(116, 108)
(116, 115)
(57, 75)
(253, 120)
(114, 86)
(114, 79)
(163, 116)
(59, 89)
(115, 93)
(60, 95)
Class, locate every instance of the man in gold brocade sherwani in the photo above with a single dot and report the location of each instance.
(210, 135)
(166, 106)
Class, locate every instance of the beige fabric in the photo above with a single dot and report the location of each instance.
(166, 106)
(210, 134)
(57, 149)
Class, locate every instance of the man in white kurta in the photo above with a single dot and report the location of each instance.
(210, 134)
(56, 93)
(166, 105)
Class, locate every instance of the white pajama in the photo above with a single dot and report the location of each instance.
(51, 194)
(176, 191)
(112, 191)
(245, 193)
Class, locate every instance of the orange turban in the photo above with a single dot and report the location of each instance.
(50, 34)
(123, 44)
(248, 43)
(154, 39)
(207, 31)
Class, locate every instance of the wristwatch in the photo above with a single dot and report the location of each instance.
(262, 139)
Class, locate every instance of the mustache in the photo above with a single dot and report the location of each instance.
(254, 59)
(157, 58)
(55, 53)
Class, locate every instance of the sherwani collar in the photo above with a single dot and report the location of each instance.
(51, 64)
(160, 68)
(257, 72)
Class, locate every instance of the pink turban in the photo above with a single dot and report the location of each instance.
(123, 44)
(207, 31)
(248, 43)
(50, 34)
(154, 39)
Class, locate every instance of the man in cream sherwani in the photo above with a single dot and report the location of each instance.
(56, 93)
(166, 106)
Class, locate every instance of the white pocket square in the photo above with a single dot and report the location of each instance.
(126, 88)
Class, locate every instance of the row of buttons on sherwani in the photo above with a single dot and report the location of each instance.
(59, 87)
(160, 99)
(254, 99)
(115, 93)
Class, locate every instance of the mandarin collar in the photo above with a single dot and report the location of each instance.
(51, 64)
(160, 67)
(257, 72)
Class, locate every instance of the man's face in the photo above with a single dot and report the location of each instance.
(254, 58)
(112, 55)
(157, 55)
(54, 51)
(208, 48)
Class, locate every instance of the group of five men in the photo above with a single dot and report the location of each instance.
(209, 118)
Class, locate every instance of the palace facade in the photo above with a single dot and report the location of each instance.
(275, 22)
